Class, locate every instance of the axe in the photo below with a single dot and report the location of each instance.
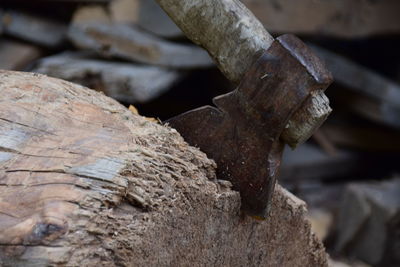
(279, 96)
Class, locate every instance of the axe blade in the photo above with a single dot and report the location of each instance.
(242, 133)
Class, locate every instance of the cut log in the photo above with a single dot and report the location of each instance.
(364, 138)
(391, 256)
(34, 29)
(17, 55)
(368, 222)
(122, 81)
(1, 21)
(309, 162)
(130, 43)
(85, 182)
(340, 18)
(91, 13)
(146, 14)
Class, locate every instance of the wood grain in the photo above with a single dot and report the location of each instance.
(85, 182)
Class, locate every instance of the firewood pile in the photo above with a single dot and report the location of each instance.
(348, 173)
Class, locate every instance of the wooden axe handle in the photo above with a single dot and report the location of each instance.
(225, 28)
(232, 35)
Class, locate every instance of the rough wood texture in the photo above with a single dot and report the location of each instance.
(84, 182)
(310, 116)
(233, 36)
(125, 82)
(340, 18)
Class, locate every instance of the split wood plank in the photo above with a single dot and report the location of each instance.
(147, 15)
(131, 43)
(309, 162)
(125, 82)
(17, 55)
(35, 29)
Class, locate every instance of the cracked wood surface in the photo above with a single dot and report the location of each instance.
(84, 182)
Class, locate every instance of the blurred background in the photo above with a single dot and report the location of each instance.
(348, 173)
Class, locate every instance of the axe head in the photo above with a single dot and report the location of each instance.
(242, 132)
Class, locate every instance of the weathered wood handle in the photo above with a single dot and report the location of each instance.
(225, 28)
(232, 35)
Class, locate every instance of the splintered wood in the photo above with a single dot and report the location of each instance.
(85, 182)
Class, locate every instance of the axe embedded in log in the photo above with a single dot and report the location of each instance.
(279, 98)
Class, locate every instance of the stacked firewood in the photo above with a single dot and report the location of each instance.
(131, 51)
(121, 48)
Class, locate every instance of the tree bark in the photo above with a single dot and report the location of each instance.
(85, 182)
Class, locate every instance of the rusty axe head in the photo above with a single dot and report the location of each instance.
(242, 133)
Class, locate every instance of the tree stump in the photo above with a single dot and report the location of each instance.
(85, 182)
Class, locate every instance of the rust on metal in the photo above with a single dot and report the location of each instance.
(242, 133)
